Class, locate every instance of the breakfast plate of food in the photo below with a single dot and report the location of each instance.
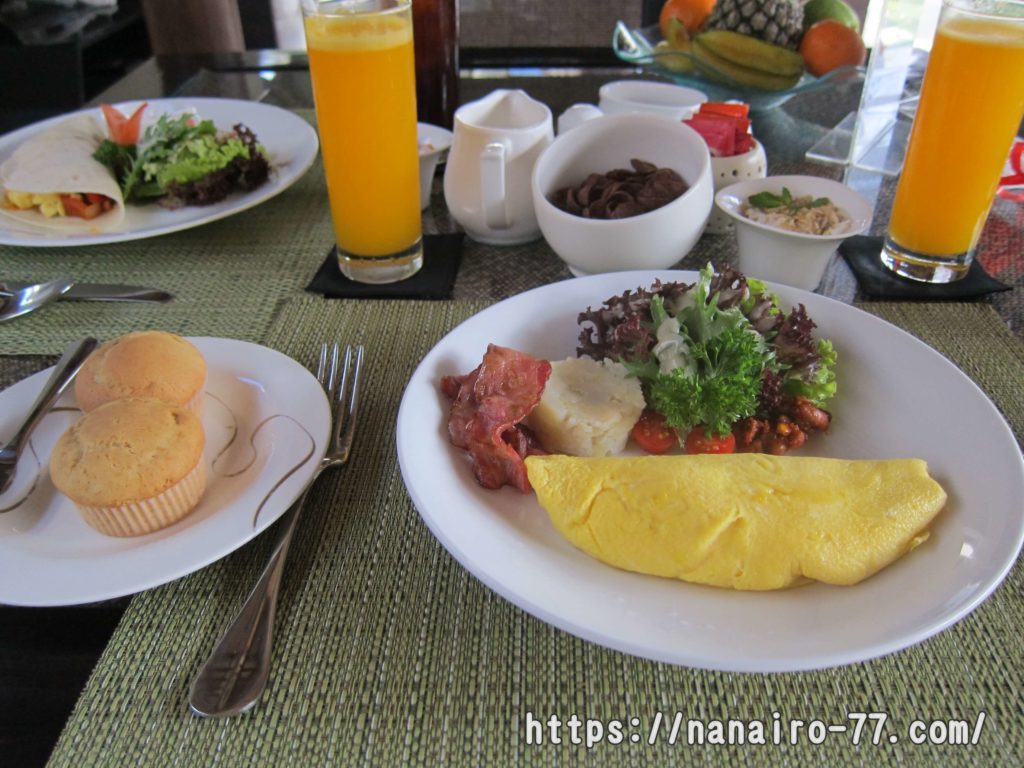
(95, 510)
(852, 518)
(141, 169)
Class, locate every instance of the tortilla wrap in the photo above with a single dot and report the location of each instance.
(60, 160)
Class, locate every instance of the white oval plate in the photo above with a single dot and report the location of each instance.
(49, 556)
(897, 398)
(290, 140)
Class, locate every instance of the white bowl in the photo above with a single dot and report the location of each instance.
(666, 99)
(653, 240)
(781, 256)
(434, 142)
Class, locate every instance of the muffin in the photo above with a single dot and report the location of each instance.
(132, 466)
(143, 364)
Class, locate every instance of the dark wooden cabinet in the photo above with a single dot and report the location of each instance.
(55, 59)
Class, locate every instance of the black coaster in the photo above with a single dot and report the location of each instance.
(435, 280)
(862, 254)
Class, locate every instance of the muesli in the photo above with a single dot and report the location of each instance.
(805, 214)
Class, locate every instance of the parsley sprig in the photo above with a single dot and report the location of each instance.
(721, 359)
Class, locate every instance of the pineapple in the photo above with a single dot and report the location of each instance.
(779, 22)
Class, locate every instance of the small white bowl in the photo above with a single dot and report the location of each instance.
(672, 101)
(781, 256)
(434, 142)
(653, 240)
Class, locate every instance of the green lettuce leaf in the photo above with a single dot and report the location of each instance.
(818, 384)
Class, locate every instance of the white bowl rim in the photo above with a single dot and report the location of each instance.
(436, 135)
(623, 117)
(859, 219)
(689, 97)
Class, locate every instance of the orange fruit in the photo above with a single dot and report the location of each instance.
(691, 12)
(829, 44)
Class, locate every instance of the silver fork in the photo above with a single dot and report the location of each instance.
(235, 674)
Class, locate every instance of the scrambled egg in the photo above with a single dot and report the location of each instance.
(49, 203)
(745, 521)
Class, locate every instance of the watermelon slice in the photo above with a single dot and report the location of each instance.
(727, 108)
(720, 135)
(725, 126)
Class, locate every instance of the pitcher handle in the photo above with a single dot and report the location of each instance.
(492, 185)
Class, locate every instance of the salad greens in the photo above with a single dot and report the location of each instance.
(817, 383)
(708, 364)
(194, 158)
(714, 353)
(186, 160)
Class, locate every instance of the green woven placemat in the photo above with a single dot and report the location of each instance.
(227, 277)
(389, 653)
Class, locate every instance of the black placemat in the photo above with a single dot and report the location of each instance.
(435, 280)
(878, 282)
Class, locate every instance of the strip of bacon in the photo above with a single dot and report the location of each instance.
(488, 404)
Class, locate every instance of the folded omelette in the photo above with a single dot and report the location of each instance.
(744, 521)
(60, 160)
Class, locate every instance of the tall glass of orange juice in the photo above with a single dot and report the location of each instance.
(971, 105)
(364, 87)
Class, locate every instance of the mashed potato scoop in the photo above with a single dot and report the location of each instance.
(743, 521)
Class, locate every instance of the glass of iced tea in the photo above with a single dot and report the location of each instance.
(971, 105)
(364, 88)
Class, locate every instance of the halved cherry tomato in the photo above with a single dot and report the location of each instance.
(652, 433)
(700, 442)
(123, 130)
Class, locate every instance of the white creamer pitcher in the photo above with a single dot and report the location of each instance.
(487, 178)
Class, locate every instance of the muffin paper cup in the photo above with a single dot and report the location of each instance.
(140, 517)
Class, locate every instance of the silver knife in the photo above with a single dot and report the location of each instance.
(99, 292)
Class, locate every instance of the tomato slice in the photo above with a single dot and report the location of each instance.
(74, 205)
(700, 442)
(123, 130)
(652, 433)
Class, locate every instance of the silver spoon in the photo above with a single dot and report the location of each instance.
(32, 297)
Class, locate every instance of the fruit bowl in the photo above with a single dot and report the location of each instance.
(639, 47)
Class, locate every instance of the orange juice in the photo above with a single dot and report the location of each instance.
(971, 104)
(364, 88)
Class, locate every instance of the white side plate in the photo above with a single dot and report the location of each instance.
(49, 556)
